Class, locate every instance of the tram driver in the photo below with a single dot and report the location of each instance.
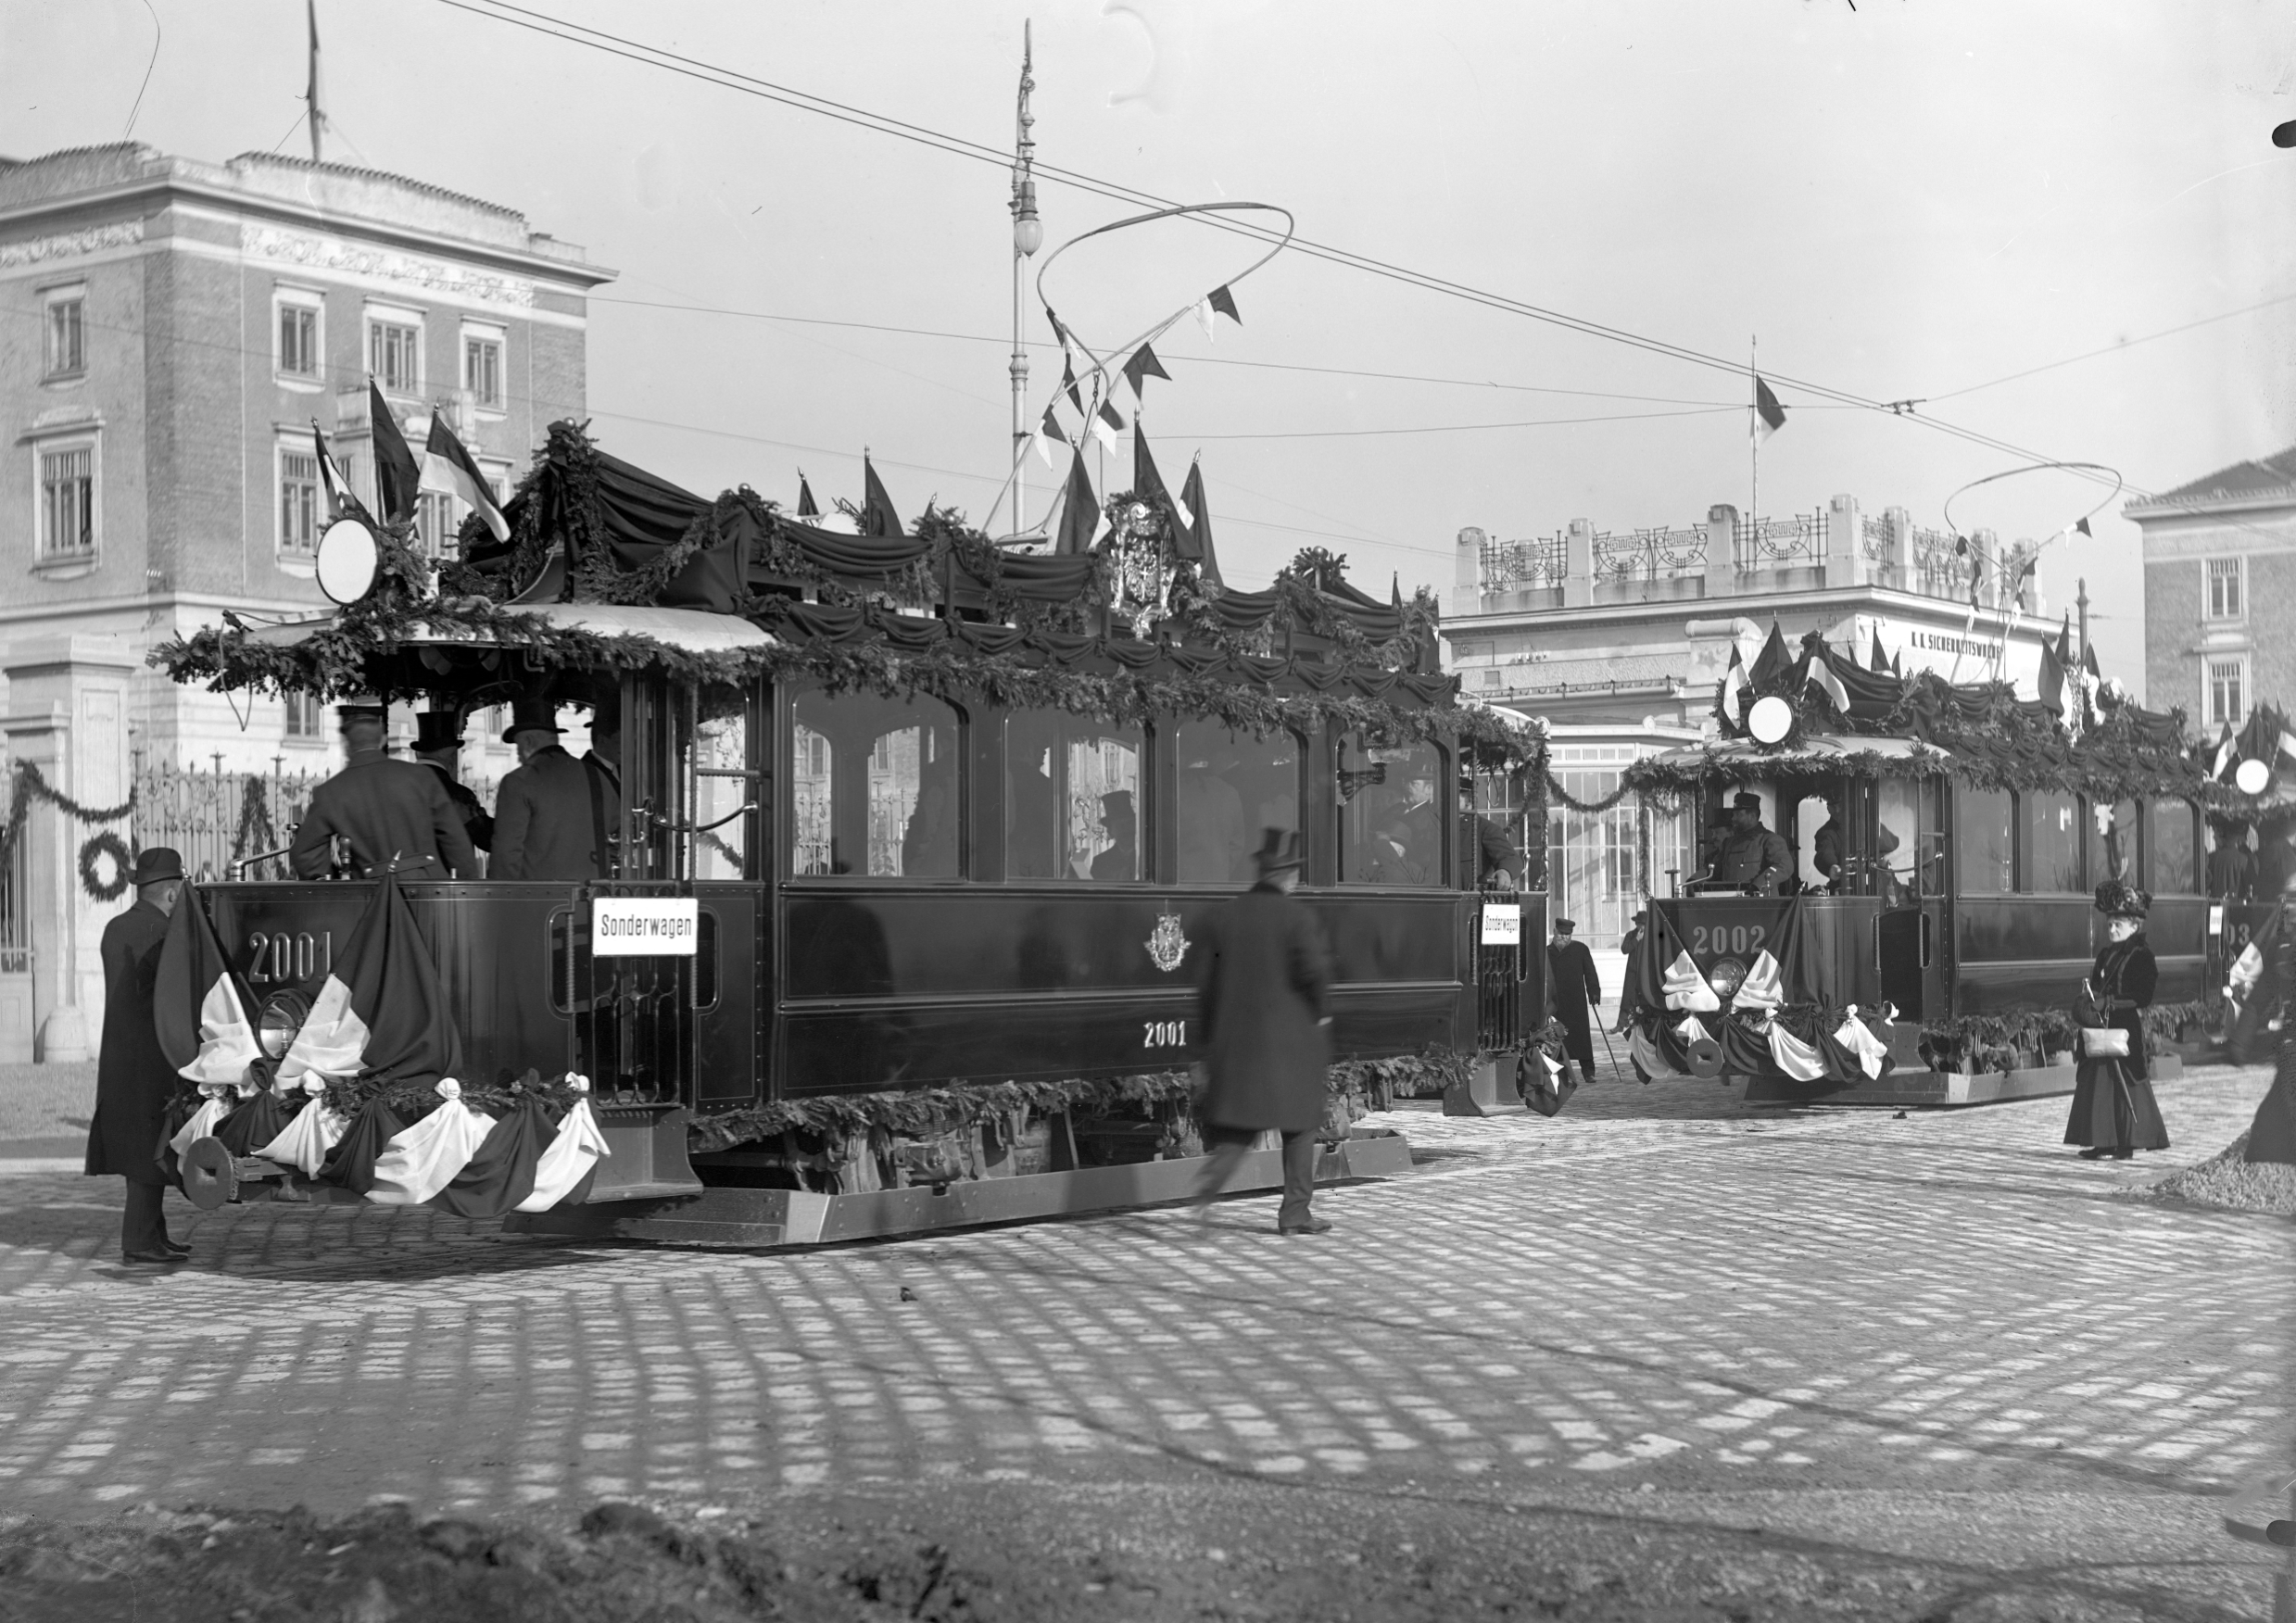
(1752, 857)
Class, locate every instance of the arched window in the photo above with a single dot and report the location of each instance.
(874, 788)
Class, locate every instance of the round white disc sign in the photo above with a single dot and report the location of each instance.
(1771, 720)
(347, 560)
(2250, 776)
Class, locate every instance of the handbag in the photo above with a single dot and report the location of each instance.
(2103, 1042)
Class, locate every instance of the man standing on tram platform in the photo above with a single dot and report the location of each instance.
(395, 815)
(1753, 856)
(554, 815)
(438, 745)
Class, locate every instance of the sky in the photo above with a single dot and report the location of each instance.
(1906, 200)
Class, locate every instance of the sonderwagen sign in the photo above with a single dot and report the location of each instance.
(644, 926)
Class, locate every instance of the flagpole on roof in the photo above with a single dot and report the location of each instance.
(1754, 437)
(318, 118)
(1028, 236)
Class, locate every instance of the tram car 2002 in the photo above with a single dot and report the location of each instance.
(1893, 900)
(911, 840)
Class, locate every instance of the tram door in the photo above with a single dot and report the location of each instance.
(1908, 871)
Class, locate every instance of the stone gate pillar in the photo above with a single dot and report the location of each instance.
(67, 718)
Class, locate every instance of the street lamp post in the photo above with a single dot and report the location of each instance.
(1027, 237)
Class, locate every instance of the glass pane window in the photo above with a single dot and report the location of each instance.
(888, 813)
(298, 341)
(299, 503)
(718, 761)
(1982, 835)
(1232, 788)
(302, 716)
(67, 337)
(2224, 589)
(1390, 814)
(1072, 797)
(2050, 825)
(2227, 693)
(434, 523)
(2175, 870)
(2110, 839)
(393, 355)
(482, 369)
(68, 502)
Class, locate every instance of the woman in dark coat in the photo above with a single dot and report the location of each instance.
(1261, 985)
(132, 1076)
(2261, 984)
(2113, 1111)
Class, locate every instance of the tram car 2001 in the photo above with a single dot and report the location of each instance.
(1893, 900)
(934, 825)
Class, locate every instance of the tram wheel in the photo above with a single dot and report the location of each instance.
(1705, 1057)
(211, 1175)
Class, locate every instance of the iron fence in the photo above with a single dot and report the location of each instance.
(1874, 539)
(1651, 554)
(216, 818)
(1513, 566)
(1797, 539)
(1939, 569)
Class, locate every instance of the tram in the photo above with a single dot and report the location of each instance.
(943, 818)
(1939, 958)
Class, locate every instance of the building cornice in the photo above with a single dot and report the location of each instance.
(2202, 509)
(1826, 600)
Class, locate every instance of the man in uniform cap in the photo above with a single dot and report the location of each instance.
(554, 814)
(438, 745)
(1570, 971)
(1630, 947)
(132, 1076)
(395, 815)
(1753, 856)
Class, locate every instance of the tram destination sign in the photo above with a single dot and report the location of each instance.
(644, 926)
(1502, 924)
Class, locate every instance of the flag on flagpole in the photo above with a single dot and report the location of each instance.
(1105, 424)
(2082, 526)
(449, 468)
(1195, 544)
(1827, 680)
(1769, 416)
(202, 1012)
(1069, 382)
(396, 478)
(2227, 751)
(2089, 662)
(1148, 485)
(381, 1011)
(341, 498)
(1081, 517)
(1774, 661)
(878, 517)
(1047, 432)
(310, 90)
(1140, 368)
(1879, 661)
(2065, 643)
(1734, 686)
(1202, 309)
(805, 508)
(1221, 299)
(2052, 689)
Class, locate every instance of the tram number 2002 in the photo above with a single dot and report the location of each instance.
(1164, 1033)
(1718, 938)
(282, 957)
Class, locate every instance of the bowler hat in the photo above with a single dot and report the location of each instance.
(156, 864)
(1746, 803)
(1279, 849)
(531, 715)
(438, 729)
(360, 707)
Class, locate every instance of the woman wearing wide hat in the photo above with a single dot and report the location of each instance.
(2113, 1111)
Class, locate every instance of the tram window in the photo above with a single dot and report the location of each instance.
(1232, 787)
(2172, 872)
(2109, 835)
(1982, 833)
(1072, 797)
(1898, 842)
(718, 757)
(1390, 814)
(2049, 824)
(874, 788)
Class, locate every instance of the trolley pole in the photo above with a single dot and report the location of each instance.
(1028, 236)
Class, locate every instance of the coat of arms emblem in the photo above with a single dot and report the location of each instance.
(1168, 947)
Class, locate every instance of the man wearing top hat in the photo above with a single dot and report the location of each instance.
(555, 816)
(395, 815)
(1751, 855)
(133, 1079)
(438, 745)
(1263, 976)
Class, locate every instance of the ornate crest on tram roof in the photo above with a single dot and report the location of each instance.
(1168, 947)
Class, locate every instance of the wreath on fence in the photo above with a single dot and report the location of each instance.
(105, 844)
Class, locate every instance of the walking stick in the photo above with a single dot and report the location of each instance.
(1606, 1047)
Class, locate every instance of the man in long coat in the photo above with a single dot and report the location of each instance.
(554, 815)
(438, 745)
(1570, 971)
(133, 1079)
(395, 813)
(1263, 976)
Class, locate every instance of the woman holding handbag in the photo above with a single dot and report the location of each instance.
(2113, 1111)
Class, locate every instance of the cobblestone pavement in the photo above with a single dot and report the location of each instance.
(1663, 1289)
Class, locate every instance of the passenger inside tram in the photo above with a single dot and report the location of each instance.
(1118, 860)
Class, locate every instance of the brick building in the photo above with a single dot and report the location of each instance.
(2220, 592)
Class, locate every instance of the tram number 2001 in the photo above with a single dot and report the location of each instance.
(282, 957)
(1718, 938)
(1164, 1033)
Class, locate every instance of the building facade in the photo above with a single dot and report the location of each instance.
(2220, 593)
(169, 331)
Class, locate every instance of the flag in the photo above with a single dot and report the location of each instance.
(311, 89)
(1105, 424)
(2082, 526)
(1196, 542)
(878, 517)
(202, 1012)
(1047, 432)
(1827, 680)
(1069, 382)
(1772, 664)
(1223, 302)
(805, 508)
(448, 468)
(1734, 686)
(382, 1012)
(1140, 368)
(2089, 662)
(2227, 751)
(1769, 416)
(1879, 661)
(1202, 309)
(1081, 518)
(2051, 690)
(397, 479)
(1148, 485)
(2065, 644)
(341, 498)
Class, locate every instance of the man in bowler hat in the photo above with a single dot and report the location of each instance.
(1262, 980)
(133, 1079)
(396, 815)
(554, 815)
(438, 745)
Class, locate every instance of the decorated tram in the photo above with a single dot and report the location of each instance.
(914, 835)
(1922, 928)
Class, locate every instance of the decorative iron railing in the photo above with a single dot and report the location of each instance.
(1874, 538)
(217, 818)
(1650, 554)
(1771, 543)
(1940, 569)
(1517, 566)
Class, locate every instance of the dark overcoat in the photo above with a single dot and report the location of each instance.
(2113, 1101)
(1576, 984)
(1263, 979)
(547, 822)
(394, 812)
(133, 1080)
(477, 822)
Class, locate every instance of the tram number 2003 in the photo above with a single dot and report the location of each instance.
(1164, 1033)
(1719, 939)
(279, 957)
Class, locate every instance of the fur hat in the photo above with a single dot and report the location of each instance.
(2117, 899)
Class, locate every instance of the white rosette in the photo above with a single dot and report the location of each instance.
(315, 1130)
(578, 1147)
(422, 1160)
(1854, 1035)
(219, 1099)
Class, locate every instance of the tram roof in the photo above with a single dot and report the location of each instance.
(1816, 752)
(692, 631)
